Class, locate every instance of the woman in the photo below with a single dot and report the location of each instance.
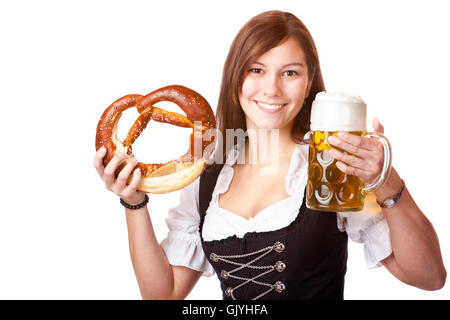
(249, 224)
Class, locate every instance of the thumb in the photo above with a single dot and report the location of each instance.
(377, 126)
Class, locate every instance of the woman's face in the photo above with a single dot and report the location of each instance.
(275, 86)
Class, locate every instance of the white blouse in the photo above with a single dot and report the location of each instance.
(183, 245)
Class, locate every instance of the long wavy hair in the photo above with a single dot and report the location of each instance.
(260, 34)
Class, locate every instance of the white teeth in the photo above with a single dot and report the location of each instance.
(270, 106)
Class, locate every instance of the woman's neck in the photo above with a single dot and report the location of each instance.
(268, 150)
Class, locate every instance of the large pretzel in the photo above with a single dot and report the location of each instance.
(163, 177)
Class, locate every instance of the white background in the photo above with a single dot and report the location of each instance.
(63, 235)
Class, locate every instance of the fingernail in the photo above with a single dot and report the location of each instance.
(332, 139)
(340, 134)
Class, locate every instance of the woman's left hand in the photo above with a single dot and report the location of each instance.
(366, 155)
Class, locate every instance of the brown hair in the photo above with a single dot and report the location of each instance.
(260, 34)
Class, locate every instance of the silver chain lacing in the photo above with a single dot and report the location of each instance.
(279, 266)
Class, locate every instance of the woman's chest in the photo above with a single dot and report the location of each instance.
(248, 193)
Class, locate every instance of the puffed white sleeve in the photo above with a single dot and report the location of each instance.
(182, 245)
(370, 228)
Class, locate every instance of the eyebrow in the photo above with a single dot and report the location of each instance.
(284, 66)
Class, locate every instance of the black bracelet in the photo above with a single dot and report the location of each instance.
(137, 206)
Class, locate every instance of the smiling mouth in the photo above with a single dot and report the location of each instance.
(269, 107)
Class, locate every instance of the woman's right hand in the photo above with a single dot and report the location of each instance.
(128, 193)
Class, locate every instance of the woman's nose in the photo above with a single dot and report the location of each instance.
(272, 86)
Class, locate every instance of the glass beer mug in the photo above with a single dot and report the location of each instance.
(328, 188)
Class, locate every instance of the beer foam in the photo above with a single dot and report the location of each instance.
(338, 97)
(338, 111)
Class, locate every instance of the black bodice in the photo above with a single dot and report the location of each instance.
(304, 260)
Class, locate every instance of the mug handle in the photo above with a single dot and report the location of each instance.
(387, 164)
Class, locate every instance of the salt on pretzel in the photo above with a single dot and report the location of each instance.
(161, 177)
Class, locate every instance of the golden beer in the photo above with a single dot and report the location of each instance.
(328, 188)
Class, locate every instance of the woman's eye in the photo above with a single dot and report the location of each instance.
(256, 70)
(291, 73)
